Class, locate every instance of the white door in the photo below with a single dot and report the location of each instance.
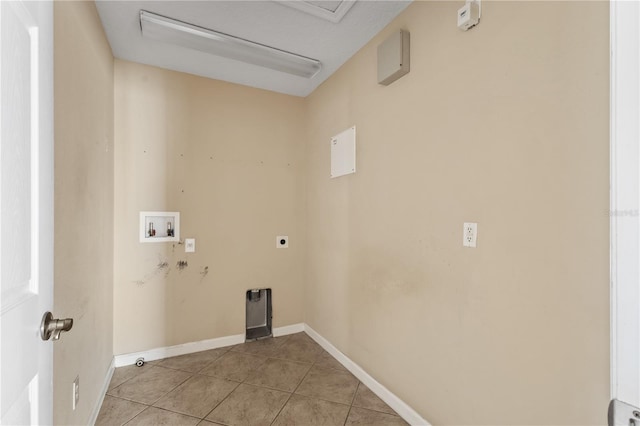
(625, 208)
(26, 210)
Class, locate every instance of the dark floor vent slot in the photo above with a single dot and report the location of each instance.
(258, 314)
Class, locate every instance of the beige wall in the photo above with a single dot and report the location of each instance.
(230, 160)
(83, 260)
(505, 125)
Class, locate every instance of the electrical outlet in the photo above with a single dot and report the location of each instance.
(470, 234)
(76, 392)
(282, 241)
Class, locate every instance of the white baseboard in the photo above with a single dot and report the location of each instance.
(203, 345)
(288, 329)
(103, 392)
(185, 348)
(398, 405)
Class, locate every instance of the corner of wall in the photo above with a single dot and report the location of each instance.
(83, 184)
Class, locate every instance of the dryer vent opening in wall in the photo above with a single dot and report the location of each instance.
(258, 314)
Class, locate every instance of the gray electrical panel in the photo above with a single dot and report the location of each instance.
(393, 57)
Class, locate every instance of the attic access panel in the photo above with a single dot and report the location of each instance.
(330, 5)
(332, 11)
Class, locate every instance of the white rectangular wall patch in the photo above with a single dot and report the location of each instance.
(343, 153)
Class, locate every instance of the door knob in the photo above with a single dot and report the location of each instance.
(53, 326)
(623, 414)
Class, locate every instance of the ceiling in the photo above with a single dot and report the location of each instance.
(330, 31)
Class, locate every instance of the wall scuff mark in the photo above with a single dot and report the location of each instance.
(163, 266)
(204, 272)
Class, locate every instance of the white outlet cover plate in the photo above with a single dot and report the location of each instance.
(189, 245)
(279, 243)
(470, 234)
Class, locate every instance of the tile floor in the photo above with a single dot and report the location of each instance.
(287, 380)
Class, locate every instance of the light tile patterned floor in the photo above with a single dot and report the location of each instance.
(287, 380)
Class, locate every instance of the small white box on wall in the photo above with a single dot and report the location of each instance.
(343, 153)
(469, 15)
(159, 227)
(393, 57)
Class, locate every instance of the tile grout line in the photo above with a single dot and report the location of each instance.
(162, 396)
(175, 387)
(129, 400)
(240, 383)
(336, 371)
(163, 409)
(222, 400)
(222, 378)
(186, 371)
(271, 354)
(291, 393)
(151, 404)
(351, 405)
(130, 378)
(201, 375)
(204, 375)
(294, 390)
(131, 419)
(315, 361)
(175, 412)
